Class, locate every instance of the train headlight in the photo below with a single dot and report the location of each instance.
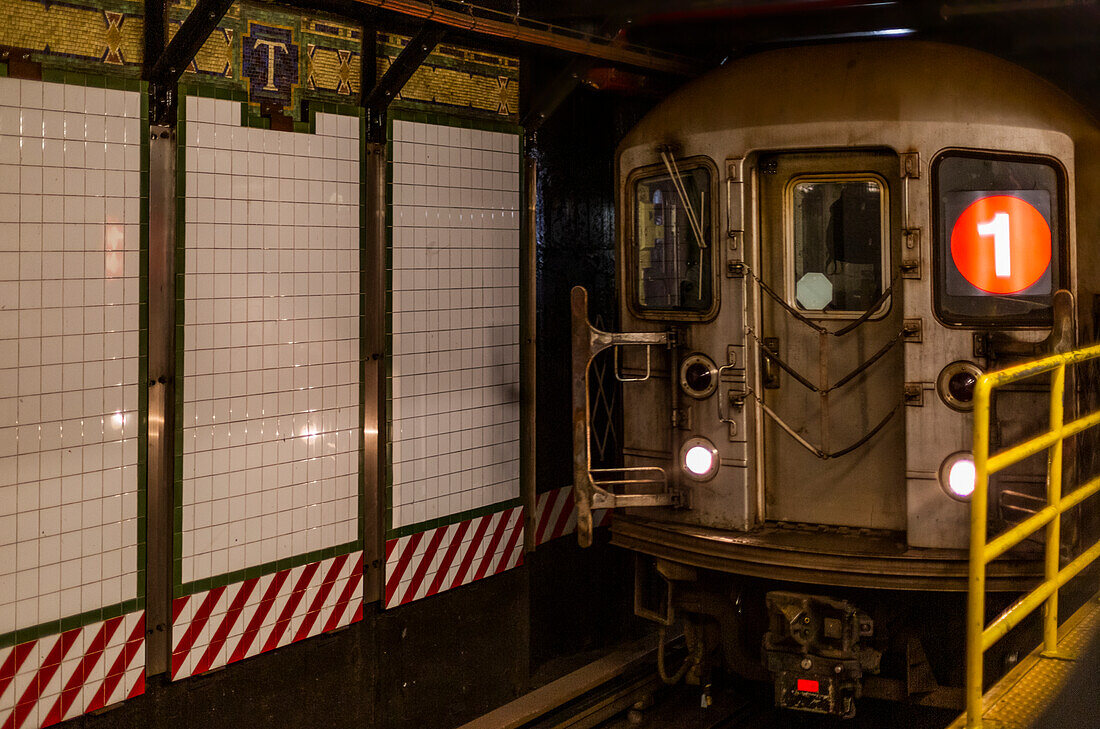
(957, 475)
(698, 376)
(956, 385)
(699, 459)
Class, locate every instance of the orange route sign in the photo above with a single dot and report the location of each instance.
(1001, 244)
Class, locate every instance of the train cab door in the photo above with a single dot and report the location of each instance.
(830, 244)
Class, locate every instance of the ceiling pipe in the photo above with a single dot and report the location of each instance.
(483, 21)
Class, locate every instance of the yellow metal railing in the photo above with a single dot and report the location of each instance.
(979, 637)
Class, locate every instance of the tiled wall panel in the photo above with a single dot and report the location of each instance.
(455, 320)
(70, 360)
(270, 341)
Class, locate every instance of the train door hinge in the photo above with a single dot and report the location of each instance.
(910, 165)
(914, 394)
(912, 330)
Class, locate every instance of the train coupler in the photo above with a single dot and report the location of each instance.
(814, 652)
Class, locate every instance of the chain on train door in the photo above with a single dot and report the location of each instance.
(829, 247)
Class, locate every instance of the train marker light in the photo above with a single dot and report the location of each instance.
(807, 684)
(699, 459)
(957, 475)
(956, 385)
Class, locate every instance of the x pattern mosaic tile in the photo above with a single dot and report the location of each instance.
(455, 320)
(70, 259)
(270, 340)
(70, 240)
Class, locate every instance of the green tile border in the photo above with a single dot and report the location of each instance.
(462, 122)
(179, 587)
(136, 603)
(452, 518)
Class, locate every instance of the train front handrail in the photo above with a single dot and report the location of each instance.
(980, 637)
(591, 488)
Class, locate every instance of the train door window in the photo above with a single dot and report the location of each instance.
(672, 230)
(999, 238)
(839, 249)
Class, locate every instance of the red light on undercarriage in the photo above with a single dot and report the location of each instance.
(806, 684)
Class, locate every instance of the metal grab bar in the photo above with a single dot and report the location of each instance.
(980, 637)
(588, 341)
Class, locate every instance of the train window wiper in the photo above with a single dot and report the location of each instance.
(681, 192)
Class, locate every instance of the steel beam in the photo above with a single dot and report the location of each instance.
(166, 71)
(397, 75)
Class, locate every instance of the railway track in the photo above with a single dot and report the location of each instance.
(622, 691)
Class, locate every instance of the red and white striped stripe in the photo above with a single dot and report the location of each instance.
(446, 557)
(556, 515)
(45, 681)
(228, 623)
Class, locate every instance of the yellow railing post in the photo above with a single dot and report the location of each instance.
(1054, 498)
(975, 608)
(979, 637)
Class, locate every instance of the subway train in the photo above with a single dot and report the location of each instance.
(819, 251)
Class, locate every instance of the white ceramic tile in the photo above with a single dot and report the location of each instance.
(69, 376)
(455, 373)
(271, 344)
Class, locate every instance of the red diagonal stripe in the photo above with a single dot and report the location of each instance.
(471, 550)
(490, 553)
(177, 607)
(448, 558)
(76, 680)
(291, 605)
(139, 686)
(425, 563)
(550, 498)
(390, 545)
(319, 599)
(48, 668)
(345, 595)
(198, 622)
(118, 668)
(13, 663)
(226, 624)
(506, 557)
(258, 617)
(394, 579)
(567, 510)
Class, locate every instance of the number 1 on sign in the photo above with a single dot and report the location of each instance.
(1002, 245)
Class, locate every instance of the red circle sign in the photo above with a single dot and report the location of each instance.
(1001, 244)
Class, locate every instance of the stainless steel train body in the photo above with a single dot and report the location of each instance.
(819, 248)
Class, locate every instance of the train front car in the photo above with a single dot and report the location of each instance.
(820, 249)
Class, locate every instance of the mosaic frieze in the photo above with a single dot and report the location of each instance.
(277, 57)
(76, 35)
(476, 82)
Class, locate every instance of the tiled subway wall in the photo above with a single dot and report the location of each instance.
(455, 320)
(71, 588)
(70, 256)
(270, 341)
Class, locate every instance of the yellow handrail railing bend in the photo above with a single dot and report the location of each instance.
(980, 637)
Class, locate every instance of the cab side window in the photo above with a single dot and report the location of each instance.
(671, 233)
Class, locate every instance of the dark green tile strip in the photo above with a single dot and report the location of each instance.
(248, 573)
(452, 519)
(68, 623)
(405, 112)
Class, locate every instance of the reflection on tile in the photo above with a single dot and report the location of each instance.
(270, 340)
(455, 319)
